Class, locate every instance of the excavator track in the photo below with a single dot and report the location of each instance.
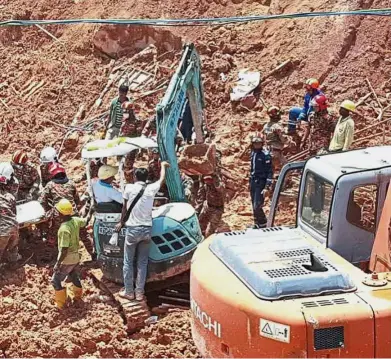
(164, 297)
(134, 313)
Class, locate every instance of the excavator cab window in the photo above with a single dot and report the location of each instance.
(361, 210)
(316, 202)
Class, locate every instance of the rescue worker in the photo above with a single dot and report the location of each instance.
(27, 176)
(188, 188)
(154, 166)
(114, 120)
(319, 128)
(150, 129)
(131, 127)
(103, 189)
(60, 187)
(67, 264)
(261, 175)
(211, 195)
(344, 129)
(47, 157)
(9, 236)
(273, 134)
(298, 114)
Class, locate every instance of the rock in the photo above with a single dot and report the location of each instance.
(72, 141)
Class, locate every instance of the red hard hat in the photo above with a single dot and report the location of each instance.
(273, 111)
(321, 101)
(20, 157)
(56, 168)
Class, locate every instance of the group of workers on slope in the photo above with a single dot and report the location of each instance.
(323, 133)
(50, 185)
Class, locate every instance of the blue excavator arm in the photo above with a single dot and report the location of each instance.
(185, 83)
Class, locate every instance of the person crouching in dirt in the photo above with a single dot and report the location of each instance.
(137, 219)
(9, 236)
(319, 128)
(58, 188)
(261, 177)
(211, 197)
(114, 120)
(344, 129)
(275, 139)
(67, 264)
(47, 157)
(27, 176)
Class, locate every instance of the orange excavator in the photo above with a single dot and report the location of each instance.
(316, 287)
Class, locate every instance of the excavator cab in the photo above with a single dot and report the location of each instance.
(300, 287)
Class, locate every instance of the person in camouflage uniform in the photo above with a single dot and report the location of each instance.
(47, 157)
(60, 187)
(273, 134)
(150, 129)
(320, 127)
(188, 188)
(27, 176)
(131, 127)
(9, 235)
(211, 198)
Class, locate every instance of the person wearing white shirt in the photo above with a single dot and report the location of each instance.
(103, 190)
(138, 230)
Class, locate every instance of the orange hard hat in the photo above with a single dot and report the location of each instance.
(20, 157)
(313, 83)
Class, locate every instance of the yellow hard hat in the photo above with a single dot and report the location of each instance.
(348, 105)
(107, 171)
(64, 207)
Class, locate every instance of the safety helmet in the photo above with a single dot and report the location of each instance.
(6, 172)
(320, 101)
(155, 151)
(274, 111)
(107, 171)
(19, 157)
(56, 168)
(348, 105)
(207, 178)
(64, 207)
(313, 83)
(257, 138)
(48, 154)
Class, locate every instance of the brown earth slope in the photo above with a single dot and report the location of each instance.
(44, 82)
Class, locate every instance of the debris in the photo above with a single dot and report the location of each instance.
(278, 68)
(374, 93)
(48, 33)
(247, 82)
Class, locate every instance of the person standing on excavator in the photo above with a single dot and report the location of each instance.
(137, 219)
(273, 134)
(298, 114)
(60, 187)
(319, 128)
(47, 157)
(261, 178)
(344, 129)
(67, 264)
(211, 199)
(27, 176)
(114, 120)
(9, 236)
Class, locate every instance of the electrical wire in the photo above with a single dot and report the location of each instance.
(198, 21)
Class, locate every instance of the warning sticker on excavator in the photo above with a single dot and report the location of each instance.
(276, 331)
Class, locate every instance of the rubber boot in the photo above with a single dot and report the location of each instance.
(60, 297)
(75, 292)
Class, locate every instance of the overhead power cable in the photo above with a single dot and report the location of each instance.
(198, 21)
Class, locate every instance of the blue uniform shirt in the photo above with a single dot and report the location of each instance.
(307, 100)
(261, 165)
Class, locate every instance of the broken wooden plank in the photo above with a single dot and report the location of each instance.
(34, 90)
(48, 33)
(373, 92)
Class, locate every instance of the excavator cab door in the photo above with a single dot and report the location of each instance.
(285, 201)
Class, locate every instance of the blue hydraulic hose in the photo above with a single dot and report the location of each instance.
(198, 21)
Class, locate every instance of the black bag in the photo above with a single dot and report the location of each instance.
(136, 199)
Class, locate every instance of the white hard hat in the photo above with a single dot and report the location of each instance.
(48, 155)
(6, 172)
(107, 171)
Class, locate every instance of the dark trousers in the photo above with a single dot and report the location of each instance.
(70, 271)
(257, 185)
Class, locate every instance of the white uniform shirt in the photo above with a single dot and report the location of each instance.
(142, 213)
(104, 192)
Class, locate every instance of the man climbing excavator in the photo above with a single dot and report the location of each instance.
(319, 289)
